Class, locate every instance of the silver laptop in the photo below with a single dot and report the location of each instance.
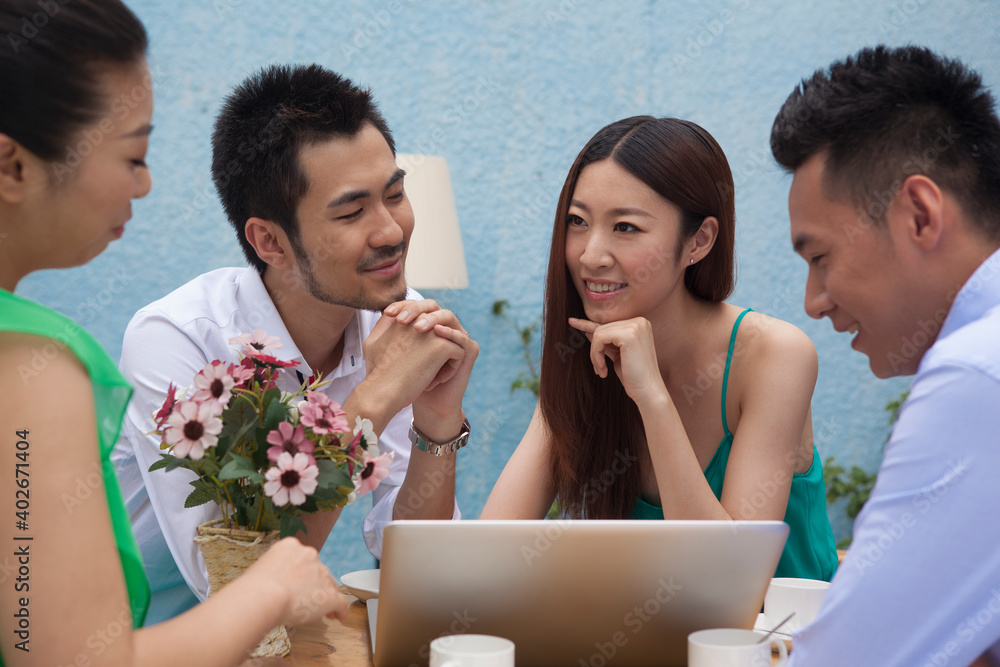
(573, 593)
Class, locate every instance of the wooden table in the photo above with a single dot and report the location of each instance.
(330, 643)
(327, 643)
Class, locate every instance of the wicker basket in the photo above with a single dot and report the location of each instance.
(228, 552)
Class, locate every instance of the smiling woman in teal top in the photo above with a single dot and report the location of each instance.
(640, 350)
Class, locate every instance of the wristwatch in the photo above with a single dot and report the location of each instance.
(425, 444)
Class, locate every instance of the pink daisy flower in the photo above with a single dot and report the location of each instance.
(291, 440)
(322, 415)
(168, 406)
(214, 384)
(290, 480)
(192, 428)
(256, 342)
(373, 471)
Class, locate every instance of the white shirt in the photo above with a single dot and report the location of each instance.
(921, 582)
(172, 339)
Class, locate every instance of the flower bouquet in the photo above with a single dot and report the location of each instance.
(263, 455)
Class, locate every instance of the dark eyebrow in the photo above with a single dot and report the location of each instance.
(630, 211)
(625, 210)
(801, 241)
(348, 197)
(141, 131)
(395, 178)
(354, 195)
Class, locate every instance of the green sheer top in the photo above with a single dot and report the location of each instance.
(810, 552)
(111, 395)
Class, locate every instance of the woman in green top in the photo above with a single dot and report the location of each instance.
(75, 75)
(706, 413)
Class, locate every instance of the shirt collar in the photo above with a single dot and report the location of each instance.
(980, 293)
(252, 297)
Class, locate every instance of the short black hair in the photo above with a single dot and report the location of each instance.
(886, 114)
(259, 135)
(51, 61)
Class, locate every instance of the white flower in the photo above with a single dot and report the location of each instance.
(367, 431)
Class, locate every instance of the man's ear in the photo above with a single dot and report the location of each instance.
(701, 243)
(12, 181)
(270, 242)
(921, 208)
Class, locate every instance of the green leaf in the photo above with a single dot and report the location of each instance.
(177, 463)
(332, 476)
(499, 306)
(165, 459)
(239, 468)
(222, 446)
(274, 410)
(203, 493)
(291, 524)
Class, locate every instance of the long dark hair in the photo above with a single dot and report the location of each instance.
(51, 63)
(596, 428)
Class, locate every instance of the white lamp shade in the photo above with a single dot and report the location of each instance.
(435, 259)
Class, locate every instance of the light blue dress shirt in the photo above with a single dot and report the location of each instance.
(920, 586)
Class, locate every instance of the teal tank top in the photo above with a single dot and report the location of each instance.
(810, 552)
(111, 395)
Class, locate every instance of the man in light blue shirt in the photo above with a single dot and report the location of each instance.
(895, 205)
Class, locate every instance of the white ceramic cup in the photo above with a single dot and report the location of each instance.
(731, 647)
(472, 651)
(787, 595)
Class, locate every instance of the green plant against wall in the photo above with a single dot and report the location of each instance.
(855, 484)
(525, 379)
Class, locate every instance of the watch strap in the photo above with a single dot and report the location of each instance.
(425, 444)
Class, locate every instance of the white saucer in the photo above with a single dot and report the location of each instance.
(363, 583)
(764, 624)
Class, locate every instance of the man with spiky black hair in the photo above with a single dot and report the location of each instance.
(895, 205)
(305, 167)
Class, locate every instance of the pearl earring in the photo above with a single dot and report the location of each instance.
(692, 260)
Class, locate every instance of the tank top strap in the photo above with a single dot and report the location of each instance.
(725, 376)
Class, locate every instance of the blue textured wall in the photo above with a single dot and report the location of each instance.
(509, 92)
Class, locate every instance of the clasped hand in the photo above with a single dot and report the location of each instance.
(630, 346)
(428, 353)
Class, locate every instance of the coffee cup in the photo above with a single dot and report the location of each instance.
(801, 596)
(732, 647)
(472, 651)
